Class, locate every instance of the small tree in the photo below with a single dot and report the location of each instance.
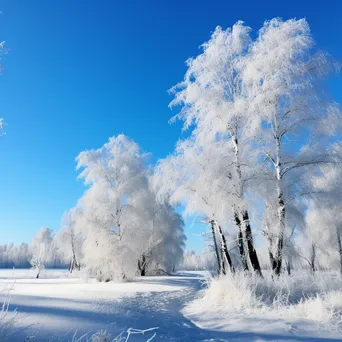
(41, 249)
(69, 240)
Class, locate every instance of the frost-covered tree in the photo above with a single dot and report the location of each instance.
(258, 102)
(280, 81)
(69, 241)
(204, 261)
(160, 234)
(197, 176)
(214, 103)
(15, 256)
(125, 228)
(113, 172)
(324, 214)
(42, 251)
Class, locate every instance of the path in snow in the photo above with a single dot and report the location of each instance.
(163, 310)
(150, 302)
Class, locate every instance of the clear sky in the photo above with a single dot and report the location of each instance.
(81, 71)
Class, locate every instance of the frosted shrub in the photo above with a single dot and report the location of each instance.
(235, 293)
(7, 321)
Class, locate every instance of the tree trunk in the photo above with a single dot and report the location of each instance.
(288, 267)
(270, 248)
(280, 244)
(224, 249)
(74, 264)
(70, 266)
(313, 258)
(142, 266)
(281, 208)
(253, 256)
(220, 269)
(339, 248)
(240, 242)
(272, 260)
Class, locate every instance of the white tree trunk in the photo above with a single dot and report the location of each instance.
(281, 212)
(224, 249)
(218, 258)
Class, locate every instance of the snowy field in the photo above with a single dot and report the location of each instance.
(55, 307)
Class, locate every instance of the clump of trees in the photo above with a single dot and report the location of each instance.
(261, 131)
(260, 163)
(42, 252)
(204, 261)
(15, 256)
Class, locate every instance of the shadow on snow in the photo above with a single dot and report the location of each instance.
(139, 311)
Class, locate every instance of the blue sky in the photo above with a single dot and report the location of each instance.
(81, 71)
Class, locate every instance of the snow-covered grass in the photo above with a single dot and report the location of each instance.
(63, 308)
(8, 318)
(284, 302)
(7, 321)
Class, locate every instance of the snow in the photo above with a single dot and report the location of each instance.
(58, 305)
(61, 305)
(300, 307)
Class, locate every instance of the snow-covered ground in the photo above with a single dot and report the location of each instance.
(58, 305)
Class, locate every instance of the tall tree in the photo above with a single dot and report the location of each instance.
(280, 81)
(199, 178)
(215, 105)
(125, 227)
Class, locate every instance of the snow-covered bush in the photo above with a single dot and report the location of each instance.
(7, 321)
(8, 318)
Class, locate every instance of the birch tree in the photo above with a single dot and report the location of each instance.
(214, 103)
(196, 177)
(69, 240)
(324, 214)
(280, 80)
